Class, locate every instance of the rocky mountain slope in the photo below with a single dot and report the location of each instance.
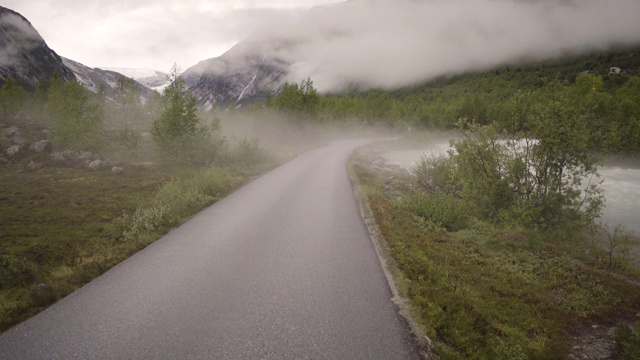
(24, 55)
(153, 79)
(245, 73)
(94, 78)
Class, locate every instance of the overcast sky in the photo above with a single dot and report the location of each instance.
(152, 33)
(371, 43)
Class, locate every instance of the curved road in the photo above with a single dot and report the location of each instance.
(283, 268)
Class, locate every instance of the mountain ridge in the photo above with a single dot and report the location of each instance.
(24, 54)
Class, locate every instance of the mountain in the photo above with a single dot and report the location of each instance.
(24, 55)
(94, 78)
(390, 45)
(153, 79)
(247, 72)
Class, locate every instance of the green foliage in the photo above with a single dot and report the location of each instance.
(611, 248)
(76, 118)
(629, 339)
(490, 291)
(435, 174)
(175, 201)
(534, 173)
(82, 233)
(443, 210)
(178, 133)
(247, 152)
(13, 101)
(297, 99)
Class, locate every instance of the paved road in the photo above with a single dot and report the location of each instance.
(282, 269)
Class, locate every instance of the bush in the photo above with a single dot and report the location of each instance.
(175, 200)
(434, 173)
(247, 152)
(442, 209)
(628, 339)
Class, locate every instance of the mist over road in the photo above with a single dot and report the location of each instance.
(281, 269)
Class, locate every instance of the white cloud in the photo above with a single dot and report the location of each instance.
(151, 33)
(402, 42)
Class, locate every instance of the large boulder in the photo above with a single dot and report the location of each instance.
(96, 165)
(73, 158)
(41, 146)
(14, 150)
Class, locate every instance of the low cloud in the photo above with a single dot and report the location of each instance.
(151, 33)
(390, 44)
(20, 37)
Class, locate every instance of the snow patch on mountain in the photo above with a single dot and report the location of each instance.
(153, 79)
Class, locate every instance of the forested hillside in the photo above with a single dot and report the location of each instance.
(603, 87)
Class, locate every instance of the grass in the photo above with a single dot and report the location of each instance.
(482, 291)
(62, 227)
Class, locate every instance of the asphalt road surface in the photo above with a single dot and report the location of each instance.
(283, 268)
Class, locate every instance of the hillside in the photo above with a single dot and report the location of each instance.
(25, 55)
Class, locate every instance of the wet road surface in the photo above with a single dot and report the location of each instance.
(281, 269)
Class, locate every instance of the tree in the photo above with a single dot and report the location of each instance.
(178, 134)
(540, 173)
(75, 117)
(125, 114)
(297, 99)
(13, 100)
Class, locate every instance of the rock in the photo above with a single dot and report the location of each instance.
(58, 158)
(117, 170)
(72, 157)
(41, 146)
(33, 166)
(96, 165)
(14, 150)
(11, 131)
(615, 70)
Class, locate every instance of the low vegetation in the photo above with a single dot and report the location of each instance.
(486, 289)
(63, 225)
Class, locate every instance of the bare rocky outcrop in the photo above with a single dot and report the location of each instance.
(74, 158)
(41, 146)
(14, 150)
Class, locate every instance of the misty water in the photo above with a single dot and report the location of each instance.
(621, 185)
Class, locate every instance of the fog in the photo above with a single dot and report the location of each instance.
(390, 44)
(20, 32)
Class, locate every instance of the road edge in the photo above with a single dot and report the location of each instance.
(390, 269)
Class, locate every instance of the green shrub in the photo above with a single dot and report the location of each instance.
(442, 209)
(174, 201)
(434, 173)
(628, 339)
(247, 152)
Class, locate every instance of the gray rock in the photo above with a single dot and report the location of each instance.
(58, 158)
(14, 150)
(72, 157)
(96, 165)
(117, 170)
(33, 166)
(11, 131)
(41, 146)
